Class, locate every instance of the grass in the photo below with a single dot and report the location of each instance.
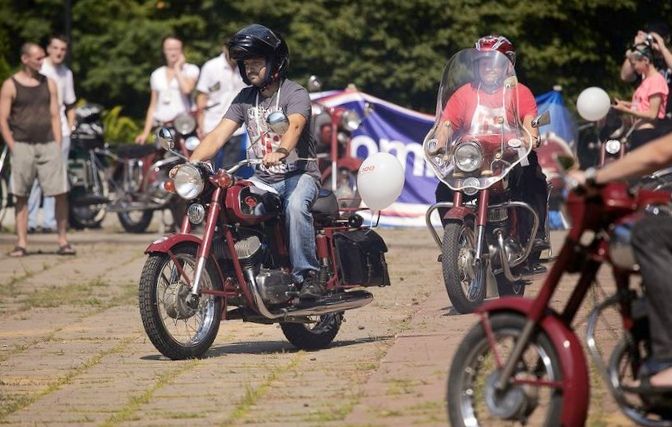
(127, 413)
(12, 405)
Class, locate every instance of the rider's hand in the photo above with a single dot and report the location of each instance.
(141, 139)
(274, 158)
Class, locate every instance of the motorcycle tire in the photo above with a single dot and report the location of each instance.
(470, 389)
(5, 197)
(177, 331)
(315, 337)
(506, 288)
(87, 216)
(133, 225)
(455, 235)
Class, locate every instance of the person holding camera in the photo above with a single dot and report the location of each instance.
(649, 101)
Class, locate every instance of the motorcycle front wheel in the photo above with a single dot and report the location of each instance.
(472, 397)
(465, 285)
(177, 330)
(313, 336)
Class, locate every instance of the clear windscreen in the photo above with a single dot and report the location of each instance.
(477, 137)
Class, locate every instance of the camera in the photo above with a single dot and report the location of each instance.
(650, 40)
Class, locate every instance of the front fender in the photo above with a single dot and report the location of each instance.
(458, 213)
(166, 243)
(575, 380)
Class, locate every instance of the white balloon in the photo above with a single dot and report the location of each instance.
(593, 103)
(380, 180)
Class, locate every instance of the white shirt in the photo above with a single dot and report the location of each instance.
(170, 100)
(220, 83)
(65, 88)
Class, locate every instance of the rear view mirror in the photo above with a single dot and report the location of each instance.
(314, 84)
(165, 138)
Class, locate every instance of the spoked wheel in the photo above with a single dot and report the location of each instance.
(88, 215)
(464, 281)
(178, 329)
(315, 335)
(135, 221)
(645, 410)
(472, 397)
(346, 191)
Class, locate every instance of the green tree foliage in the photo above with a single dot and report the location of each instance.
(394, 49)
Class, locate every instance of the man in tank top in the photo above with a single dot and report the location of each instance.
(31, 127)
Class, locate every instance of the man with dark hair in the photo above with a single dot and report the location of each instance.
(54, 67)
(31, 126)
(217, 85)
(171, 87)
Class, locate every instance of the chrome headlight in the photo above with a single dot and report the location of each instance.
(470, 186)
(351, 120)
(468, 157)
(196, 213)
(612, 146)
(185, 123)
(191, 143)
(188, 181)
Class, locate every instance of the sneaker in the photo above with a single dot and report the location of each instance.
(540, 245)
(533, 268)
(311, 288)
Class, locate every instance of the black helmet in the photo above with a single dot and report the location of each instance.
(257, 41)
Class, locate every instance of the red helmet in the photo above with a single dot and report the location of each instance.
(499, 43)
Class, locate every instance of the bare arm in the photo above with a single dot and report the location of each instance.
(55, 112)
(289, 140)
(187, 84)
(660, 46)
(650, 114)
(627, 71)
(149, 119)
(644, 160)
(70, 115)
(7, 94)
(213, 141)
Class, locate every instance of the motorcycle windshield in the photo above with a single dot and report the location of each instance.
(478, 136)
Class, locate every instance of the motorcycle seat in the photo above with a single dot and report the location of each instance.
(134, 151)
(325, 209)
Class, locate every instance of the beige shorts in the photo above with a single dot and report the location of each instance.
(43, 161)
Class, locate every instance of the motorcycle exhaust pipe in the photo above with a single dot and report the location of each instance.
(355, 299)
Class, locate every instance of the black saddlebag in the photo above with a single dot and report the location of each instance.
(360, 256)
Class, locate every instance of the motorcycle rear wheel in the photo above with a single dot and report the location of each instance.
(313, 336)
(471, 398)
(458, 247)
(177, 331)
(135, 221)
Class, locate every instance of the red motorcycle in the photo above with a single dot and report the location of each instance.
(523, 363)
(482, 248)
(239, 267)
(332, 130)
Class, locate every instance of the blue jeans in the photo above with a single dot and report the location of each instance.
(298, 194)
(49, 204)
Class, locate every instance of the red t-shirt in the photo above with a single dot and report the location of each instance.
(461, 106)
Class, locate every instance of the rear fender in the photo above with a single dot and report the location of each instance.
(575, 380)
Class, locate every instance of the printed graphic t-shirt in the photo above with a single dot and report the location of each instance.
(251, 108)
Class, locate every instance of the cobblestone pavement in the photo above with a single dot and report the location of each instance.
(73, 350)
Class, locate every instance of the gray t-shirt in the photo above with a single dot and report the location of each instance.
(251, 108)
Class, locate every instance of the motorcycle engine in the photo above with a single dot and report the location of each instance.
(275, 286)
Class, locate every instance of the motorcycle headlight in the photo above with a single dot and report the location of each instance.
(191, 143)
(185, 123)
(612, 146)
(468, 157)
(188, 181)
(351, 120)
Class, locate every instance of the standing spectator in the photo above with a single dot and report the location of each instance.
(219, 83)
(31, 126)
(649, 101)
(54, 68)
(171, 87)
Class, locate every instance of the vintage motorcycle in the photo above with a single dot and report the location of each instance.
(332, 130)
(482, 248)
(523, 363)
(239, 267)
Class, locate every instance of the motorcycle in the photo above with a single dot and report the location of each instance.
(332, 130)
(482, 249)
(6, 199)
(239, 267)
(524, 363)
(142, 171)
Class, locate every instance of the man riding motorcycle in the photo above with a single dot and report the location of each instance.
(652, 244)
(289, 163)
(527, 181)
